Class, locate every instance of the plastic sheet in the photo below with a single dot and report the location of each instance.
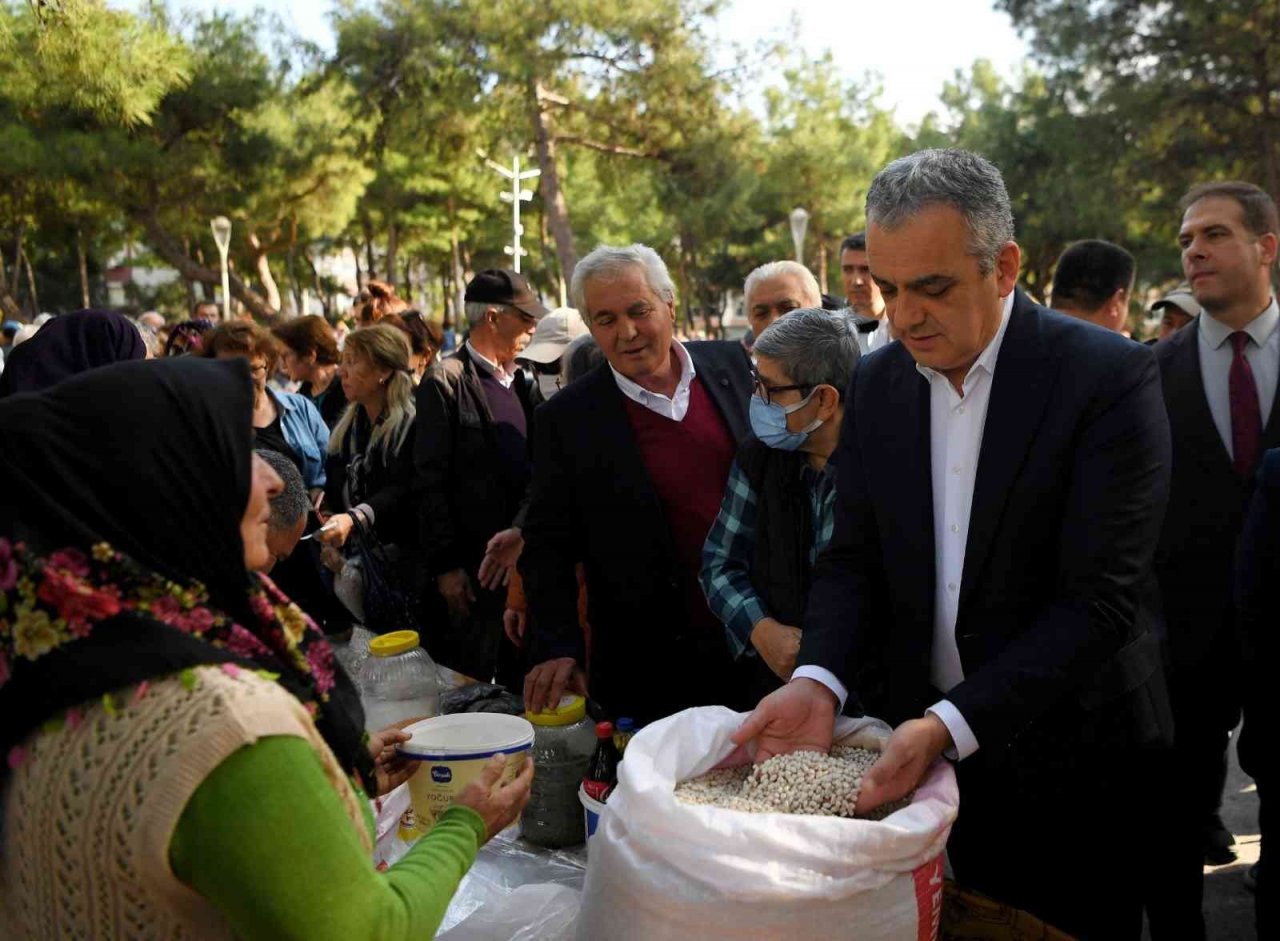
(514, 891)
(495, 895)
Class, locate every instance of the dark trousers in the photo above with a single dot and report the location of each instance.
(1197, 773)
(1046, 842)
(1173, 880)
(476, 645)
(1268, 919)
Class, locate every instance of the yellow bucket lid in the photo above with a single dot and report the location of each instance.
(388, 645)
(570, 709)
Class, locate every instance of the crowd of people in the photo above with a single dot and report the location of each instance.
(1039, 549)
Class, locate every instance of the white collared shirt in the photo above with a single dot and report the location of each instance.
(874, 339)
(956, 424)
(1216, 354)
(504, 375)
(674, 407)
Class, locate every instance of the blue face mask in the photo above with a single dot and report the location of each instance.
(769, 422)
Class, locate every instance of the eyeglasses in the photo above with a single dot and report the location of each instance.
(766, 392)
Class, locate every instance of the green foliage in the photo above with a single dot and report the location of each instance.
(119, 128)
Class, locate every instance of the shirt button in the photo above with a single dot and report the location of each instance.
(955, 528)
(956, 470)
(951, 586)
(959, 409)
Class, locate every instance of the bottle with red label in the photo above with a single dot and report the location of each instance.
(602, 773)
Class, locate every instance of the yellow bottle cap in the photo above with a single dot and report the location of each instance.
(571, 709)
(388, 645)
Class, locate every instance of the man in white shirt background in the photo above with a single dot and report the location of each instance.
(862, 293)
(1002, 474)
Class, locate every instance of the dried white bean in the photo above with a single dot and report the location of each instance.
(798, 783)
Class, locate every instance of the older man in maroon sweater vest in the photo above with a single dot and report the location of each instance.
(630, 463)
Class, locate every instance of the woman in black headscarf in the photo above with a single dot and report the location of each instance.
(71, 344)
(170, 722)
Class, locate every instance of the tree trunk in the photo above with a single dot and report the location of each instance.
(822, 264)
(8, 303)
(552, 194)
(392, 250)
(371, 269)
(31, 284)
(208, 289)
(168, 248)
(191, 285)
(459, 275)
(295, 286)
(447, 321)
(84, 270)
(263, 264)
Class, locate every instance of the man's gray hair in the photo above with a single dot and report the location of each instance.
(291, 503)
(475, 311)
(774, 269)
(966, 182)
(607, 262)
(813, 346)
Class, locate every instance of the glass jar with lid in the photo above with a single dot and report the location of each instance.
(563, 740)
(398, 681)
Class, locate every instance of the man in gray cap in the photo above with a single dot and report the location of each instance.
(551, 338)
(472, 466)
(1177, 309)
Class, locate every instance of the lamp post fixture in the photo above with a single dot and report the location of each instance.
(221, 227)
(799, 222)
(515, 196)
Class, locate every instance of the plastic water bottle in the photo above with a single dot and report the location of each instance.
(398, 681)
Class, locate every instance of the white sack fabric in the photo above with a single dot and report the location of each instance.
(660, 870)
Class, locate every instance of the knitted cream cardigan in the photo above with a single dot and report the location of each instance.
(90, 810)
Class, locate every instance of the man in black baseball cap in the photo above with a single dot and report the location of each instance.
(499, 286)
(472, 466)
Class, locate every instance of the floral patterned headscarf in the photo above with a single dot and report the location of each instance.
(120, 552)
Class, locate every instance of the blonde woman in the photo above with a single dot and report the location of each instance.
(370, 465)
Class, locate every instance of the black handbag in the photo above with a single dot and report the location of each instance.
(388, 606)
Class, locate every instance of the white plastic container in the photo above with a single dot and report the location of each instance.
(591, 811)
(452, 751)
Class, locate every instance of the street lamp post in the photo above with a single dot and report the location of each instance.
(221, 227)
(515, 196)
(799, 222)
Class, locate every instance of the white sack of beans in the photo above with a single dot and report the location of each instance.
(663, 867)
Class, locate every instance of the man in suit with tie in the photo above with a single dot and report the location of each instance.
(1219, 380)
(1002, 474)
(630, 463)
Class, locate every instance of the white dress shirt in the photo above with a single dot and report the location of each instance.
(956, 424)
(674, 407)
(1216, 354)
(874, 339)
(503, 374)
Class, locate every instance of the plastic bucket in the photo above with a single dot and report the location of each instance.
(591, 811)
(452, 750)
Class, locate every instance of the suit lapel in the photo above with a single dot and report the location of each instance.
(616, 441)
(911, 474)
(1271, 434)
(720, 389)
(1019, 393)
(1187, 402)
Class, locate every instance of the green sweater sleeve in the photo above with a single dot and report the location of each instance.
(266, 840)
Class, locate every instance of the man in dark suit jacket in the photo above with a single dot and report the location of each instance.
(1219, 377)
(471, 470)
(629, 465)
(1002, 472)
